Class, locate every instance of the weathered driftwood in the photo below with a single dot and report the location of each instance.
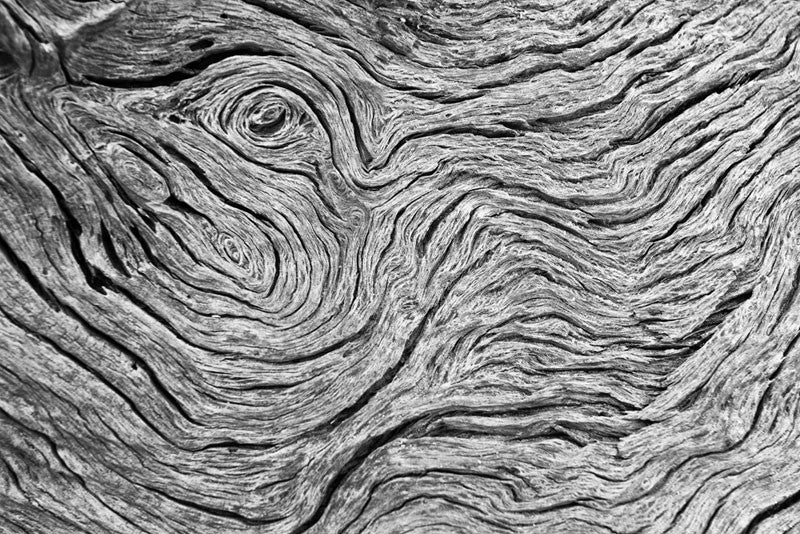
(399, 266)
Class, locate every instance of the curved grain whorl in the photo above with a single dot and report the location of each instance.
(389, 266)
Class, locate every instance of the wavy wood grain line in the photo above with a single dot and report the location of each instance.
(393, 266)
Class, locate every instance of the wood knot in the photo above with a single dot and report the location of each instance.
(266, 123)
(271, 120)
(268, 120)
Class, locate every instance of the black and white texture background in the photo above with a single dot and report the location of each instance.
(389, 266)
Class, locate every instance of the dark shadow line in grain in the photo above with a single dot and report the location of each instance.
(529, 73)
(11, 473)
(366, 330)
(111, 251)
(154, 379)
(72, 226)
(201, 175)
(382, 439)
(27, 28)
(772, 510)
(209, 510)
(724, 473)
(360, 455)
(488, 132)
(546, 49)
(633, 14)
(185, 72)
(786, 302)
(273, 9)
(659, 119)
(424, 242)
(96, 374)
(51, 443)
(411, 343)
(504, 482)
(26, 273)
(456, 240)
(154, 314)
(656, 41)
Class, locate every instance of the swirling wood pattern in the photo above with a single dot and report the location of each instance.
(392, 266)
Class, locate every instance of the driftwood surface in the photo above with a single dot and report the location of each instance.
(392, 266)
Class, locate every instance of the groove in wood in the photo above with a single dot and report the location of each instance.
(384, 266)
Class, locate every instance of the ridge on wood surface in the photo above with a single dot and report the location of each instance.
(393, 266)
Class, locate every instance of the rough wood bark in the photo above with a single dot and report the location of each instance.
(399, 266)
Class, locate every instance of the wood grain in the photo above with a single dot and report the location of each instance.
(393, 266)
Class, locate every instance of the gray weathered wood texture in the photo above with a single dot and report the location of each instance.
(388, 266)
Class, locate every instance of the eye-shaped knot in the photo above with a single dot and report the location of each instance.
(270, 118)
(233, 251)
(244, 255)
(267, 111)
(267, 120)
